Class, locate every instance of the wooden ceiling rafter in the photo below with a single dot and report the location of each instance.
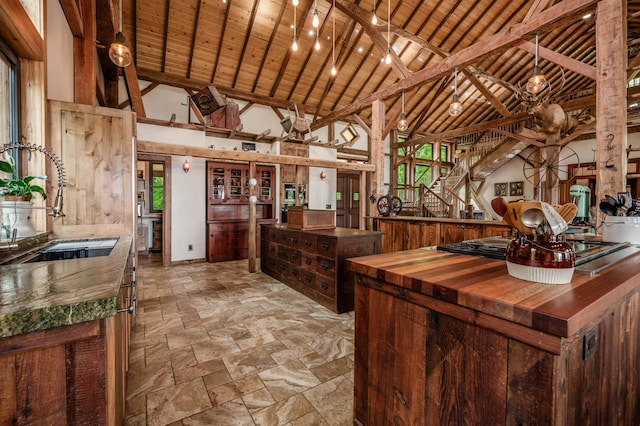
(302, 17)
(252, 19)
(73, 13)
(343, 56)
(165, 40)
(308, 58)
(553, 16)
(194, 37)
(223, 32)
(267, 49)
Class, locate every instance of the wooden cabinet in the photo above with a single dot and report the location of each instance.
(69, 375)
(156, 236)
(312, 262)
(456, 232)
(406, 233)
(228, 187)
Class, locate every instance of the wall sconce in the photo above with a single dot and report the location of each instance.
(537, 82)
(323, 175)
(119, 53)
(186, 166)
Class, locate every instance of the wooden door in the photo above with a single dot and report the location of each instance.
(348, 201)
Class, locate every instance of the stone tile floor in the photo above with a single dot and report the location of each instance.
(216, 345)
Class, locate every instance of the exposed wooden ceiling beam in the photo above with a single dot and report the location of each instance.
(182, 82)
(133, 89)
(72, 12)
(217, 154)
(554, 15)
(558, 58)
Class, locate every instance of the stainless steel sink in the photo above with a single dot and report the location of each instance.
(69, 249)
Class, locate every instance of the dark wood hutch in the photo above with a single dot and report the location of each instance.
(228, 186)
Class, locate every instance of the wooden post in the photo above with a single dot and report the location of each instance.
(252, 218)
(376, 185)
(362, 202)
(84, 57)
(611, 98)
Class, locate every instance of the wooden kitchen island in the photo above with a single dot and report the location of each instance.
(447, 339)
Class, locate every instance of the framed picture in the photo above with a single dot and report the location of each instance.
(140, 174)
(500, 189)
(515, 188)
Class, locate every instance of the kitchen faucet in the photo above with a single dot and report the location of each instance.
(56, 209)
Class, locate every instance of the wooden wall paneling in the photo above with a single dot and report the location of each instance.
(362, 321)
(96, 149)
(33, 128)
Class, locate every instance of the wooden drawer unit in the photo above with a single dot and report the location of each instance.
(311, 261)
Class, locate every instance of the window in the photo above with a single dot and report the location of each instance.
(9, 99)
(424, 174)
(156, 187)
(425, 152)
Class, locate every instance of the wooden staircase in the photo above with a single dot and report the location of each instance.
(489, 152)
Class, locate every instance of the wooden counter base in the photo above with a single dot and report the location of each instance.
(425, 359)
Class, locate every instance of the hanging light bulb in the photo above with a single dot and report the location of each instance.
(119, 53)
(455, 109)
(334, 71)
(295, 3)
(403, 124)
(294, 46)
(537, 82)
(317, 45)
(387, 59)
(316, 20)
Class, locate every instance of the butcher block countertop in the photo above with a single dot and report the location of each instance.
(483, 290)
(42, 295)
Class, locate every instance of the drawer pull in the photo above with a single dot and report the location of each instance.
(283, 267)
(283, 252)
(325, 285)
(294, 272)
(294, 239)
(308, 243)
(308, 278)
(325, 265)
(294, 255)
(325, 245)
(283, 237)
(273, 235)
(272, 262)
(307, 260)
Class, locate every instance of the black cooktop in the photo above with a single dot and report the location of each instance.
(496, 248)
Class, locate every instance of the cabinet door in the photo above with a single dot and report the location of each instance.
(216, 183)
(266, 177)
(238, 184)
(95, 145)
(218, 243)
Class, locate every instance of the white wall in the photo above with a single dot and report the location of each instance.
(59, 42)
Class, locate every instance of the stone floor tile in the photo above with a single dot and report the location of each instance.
(283, 412)
(177, 402)
(232, 413)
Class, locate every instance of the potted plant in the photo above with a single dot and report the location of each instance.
(22, 189)
(16, 205)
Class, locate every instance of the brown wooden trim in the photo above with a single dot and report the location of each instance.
(72, 12)
(50, 337)
(221, 154)
(18, 31)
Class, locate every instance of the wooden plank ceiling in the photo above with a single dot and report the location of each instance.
(243, 47)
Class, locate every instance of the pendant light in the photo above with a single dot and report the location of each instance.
(403, 124)
(316, 20)
(455, 109)
(374, 17)
(387, 59)
(537, 82)
(334, 71)
(119, 53)
(317, 45)
(294, 46)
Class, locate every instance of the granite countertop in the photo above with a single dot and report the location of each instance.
(42, 295)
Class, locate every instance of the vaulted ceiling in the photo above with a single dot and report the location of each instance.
(243, 47)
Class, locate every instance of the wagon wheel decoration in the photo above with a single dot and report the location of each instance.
(389, 204)
(537, 170)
